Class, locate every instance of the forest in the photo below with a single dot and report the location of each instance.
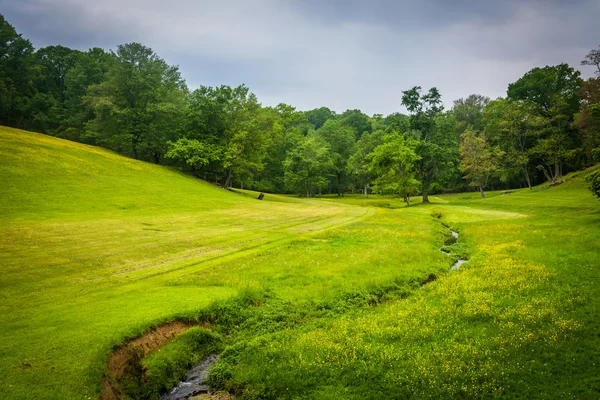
(133, 102)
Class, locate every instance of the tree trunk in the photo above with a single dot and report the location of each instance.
(366, 195)
(407, 199)
(481, 191)
(425, 198)
(548, 173)
(228, 180)
(527, 178)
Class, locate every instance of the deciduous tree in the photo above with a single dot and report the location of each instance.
(393, 163)
(140, 102)
(478, 160)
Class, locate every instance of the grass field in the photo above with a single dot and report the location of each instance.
(96, 248)
(519, 320)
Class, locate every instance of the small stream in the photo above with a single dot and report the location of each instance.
(453, 239)
(194, 382)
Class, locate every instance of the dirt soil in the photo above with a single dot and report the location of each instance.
(125, 358)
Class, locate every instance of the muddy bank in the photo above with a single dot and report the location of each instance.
(124, 360)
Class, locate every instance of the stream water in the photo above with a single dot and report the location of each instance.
(194, 382)
(450, 241)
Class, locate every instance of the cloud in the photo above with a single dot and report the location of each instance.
(338, 53)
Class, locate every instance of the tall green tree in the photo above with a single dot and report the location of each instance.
(248, 138)
(307, 165)
(552, 93)
(435, 144)
(359, 162)
(588, 118)
(233, 120)
(340, 140)
(91, 69)
(514, 129)
(393, 163)
(139, 106)
(469, 112)
(49, 105)
(18, 74)
(192, 153)
(357, 120)
(319, 116)
(478, 160)
(293, 127)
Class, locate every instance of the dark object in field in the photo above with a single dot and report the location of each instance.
(261, 196)
(506, 192)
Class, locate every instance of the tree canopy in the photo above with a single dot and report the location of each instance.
(132, 101)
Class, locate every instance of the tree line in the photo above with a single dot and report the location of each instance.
(133, 102)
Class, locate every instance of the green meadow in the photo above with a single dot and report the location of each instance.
(338, 297)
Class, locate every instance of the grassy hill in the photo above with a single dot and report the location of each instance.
(96, 248)
(88, 239)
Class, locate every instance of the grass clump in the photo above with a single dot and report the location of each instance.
(164, 368)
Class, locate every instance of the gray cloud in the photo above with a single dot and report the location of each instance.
(338, 53)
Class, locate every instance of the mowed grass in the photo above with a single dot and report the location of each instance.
(519, 320)
(96, 248)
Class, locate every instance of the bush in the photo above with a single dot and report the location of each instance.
(594, 182)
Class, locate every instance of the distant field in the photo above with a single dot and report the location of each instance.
(519, 320)
(96, 248)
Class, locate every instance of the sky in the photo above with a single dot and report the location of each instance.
(342, 54)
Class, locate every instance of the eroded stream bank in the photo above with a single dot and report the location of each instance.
(446, 248)
(125, 363)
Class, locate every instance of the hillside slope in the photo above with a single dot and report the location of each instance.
(87, 240)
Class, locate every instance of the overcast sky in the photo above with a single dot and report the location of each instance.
(343, 54)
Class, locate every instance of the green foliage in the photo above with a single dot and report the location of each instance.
(588, 118)
(328, 302)
(339, 139)
(393, 162)
(515, 129)
(551, 93)
(233, 120)
(193, 153)
(359, 162)
(307, 165)
(547, 87)
(478, 160)
(18, 74)
(469, 112)
(593, 180)
(434, 135)
(509, 311)
(164, 368)
(138, 104)
(356, 120)
(319, 116)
